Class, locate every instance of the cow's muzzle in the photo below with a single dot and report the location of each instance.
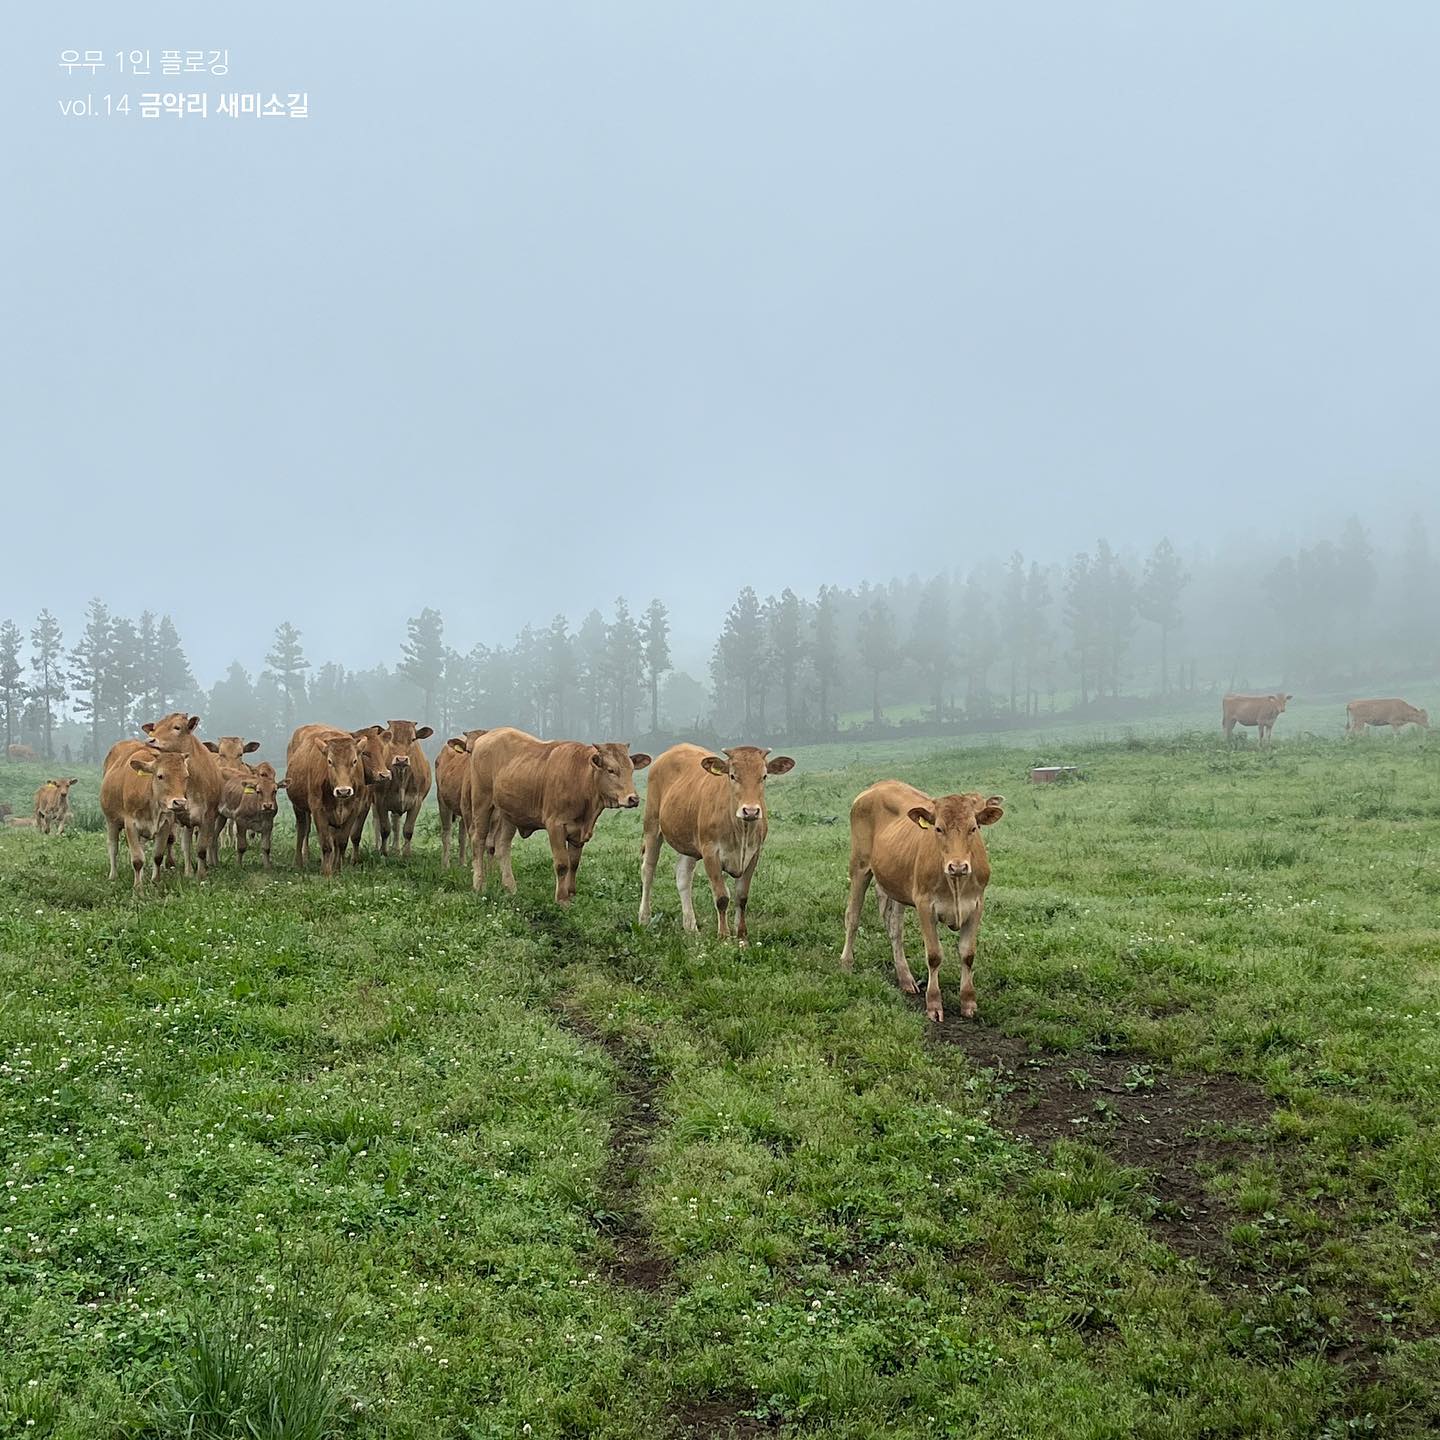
(344, 791)
(399, 762)
(632, 802)
(749, 813)
(957, 867)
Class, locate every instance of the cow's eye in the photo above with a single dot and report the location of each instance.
(974, 829)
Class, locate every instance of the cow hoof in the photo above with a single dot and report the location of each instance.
(935, 1013)
(969, 1010)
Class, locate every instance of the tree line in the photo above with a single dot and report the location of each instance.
(996, 643)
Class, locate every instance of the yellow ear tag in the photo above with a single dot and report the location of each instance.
(922, 822)
(249, 789)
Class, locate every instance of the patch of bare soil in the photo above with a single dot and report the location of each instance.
(1179, 1129)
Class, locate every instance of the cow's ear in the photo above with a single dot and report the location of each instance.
(281, 784)
(212, 747)
(142, 767)
(148, 727)
(714, 765)
(990, 811)
(1289, 697)
(780, 765)
(924, 818)
(192, 723)
(457, 744)
(424, 732)
(251, 746)
(640, 761)
(319, 742)
(596, 761)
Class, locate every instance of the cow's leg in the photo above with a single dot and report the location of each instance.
(187, 848)
(649, 858)
(164, 839)
(137, 854)
(498, 841)
(462, 833)
(204, 840)
(302, 838)
(242, 842)
(715, 873)
(892, 912)
(859, 884)
(685, 883)
(934, 1007)
(480, 817)
(560, 854)
(112, 843)
(969, 941)
(1229, 728)
(265, 836)
(332, 845)
(382, 829)
(742, 899)
(445, 822)
(411, 815)
(577, 851)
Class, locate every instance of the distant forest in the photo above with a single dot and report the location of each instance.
(989, 643)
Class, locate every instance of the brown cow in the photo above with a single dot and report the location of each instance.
(325, 780)
(452, 776)
(925, 854)
(558, 786)
(199, 829)
(249, 801)
(1259, 710)
(373, 742)
(144, 795)
(1395, 713)
(710, 809)
(231, 750)
(22, 752)
(52, 805)
(409, 783)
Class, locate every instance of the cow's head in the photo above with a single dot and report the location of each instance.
(264, 790)
(374, 744)
(265, 768)
(461, 744)
(746, 767)
(403, 735)
(1422, 718)
(615, 769)
(63, 786)
(1280, 700)
(172, 733)
(955, 821)
(168, 772)
(344, 769)
(232, 749)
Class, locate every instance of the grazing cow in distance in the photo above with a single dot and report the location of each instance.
(143, 794)
(22, 752)
(928, 855)
(452, 776)
(709, 808)
(52, 805)
(325, 780)
(559, 786)
(404, 792)
(1258, 710)
(1359, 714)
(249, 802)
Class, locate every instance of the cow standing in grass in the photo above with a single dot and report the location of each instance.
(452, 777)
(52, 805)
(230, 752)
(1258, 710)
(143, 793)
(519, 783)
(710, 809)
(1360, 714)
(927, 855)
(248, 803)
(398, 799)
(325, 780)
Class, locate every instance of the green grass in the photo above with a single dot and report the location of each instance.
(366, 1128)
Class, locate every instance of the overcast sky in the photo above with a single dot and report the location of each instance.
(549, 302)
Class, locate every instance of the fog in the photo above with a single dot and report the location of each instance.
(545, 304)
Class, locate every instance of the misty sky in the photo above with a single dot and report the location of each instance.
(549, 302)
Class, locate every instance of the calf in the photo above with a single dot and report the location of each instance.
(144, 794)
(519, 783)
(248, 802)
(230, 751)
(710, 809)
(325, 780)
(52, 805)
(1395, 713)
(1257, 710)
(927, 855)
(452, 776)
(408, 784)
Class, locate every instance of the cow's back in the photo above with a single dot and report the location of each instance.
(125, 793)
(1392, 711)
(675, 794)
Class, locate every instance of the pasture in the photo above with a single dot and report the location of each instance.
(380, 1157)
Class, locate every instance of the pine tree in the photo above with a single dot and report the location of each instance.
(1083, 614)
(1159, 600)
(825, 649)
(878, 648)
(176, 682)
(89, 664)
(624, 663)
(655, 644)
(1013, 620)
(738, 665)
(932, 646)
(120, 687)
(590, 658)
(47, 659)
(288, 664)
(1037, 637)
(560, 673)
(147, 664)
(12, 675)
(787, 649)
(422, 661)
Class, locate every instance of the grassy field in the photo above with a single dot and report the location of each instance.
(384, 1158)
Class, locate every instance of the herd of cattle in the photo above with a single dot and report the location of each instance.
(923, 853)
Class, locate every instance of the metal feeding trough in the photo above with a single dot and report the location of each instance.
(1049, 774)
